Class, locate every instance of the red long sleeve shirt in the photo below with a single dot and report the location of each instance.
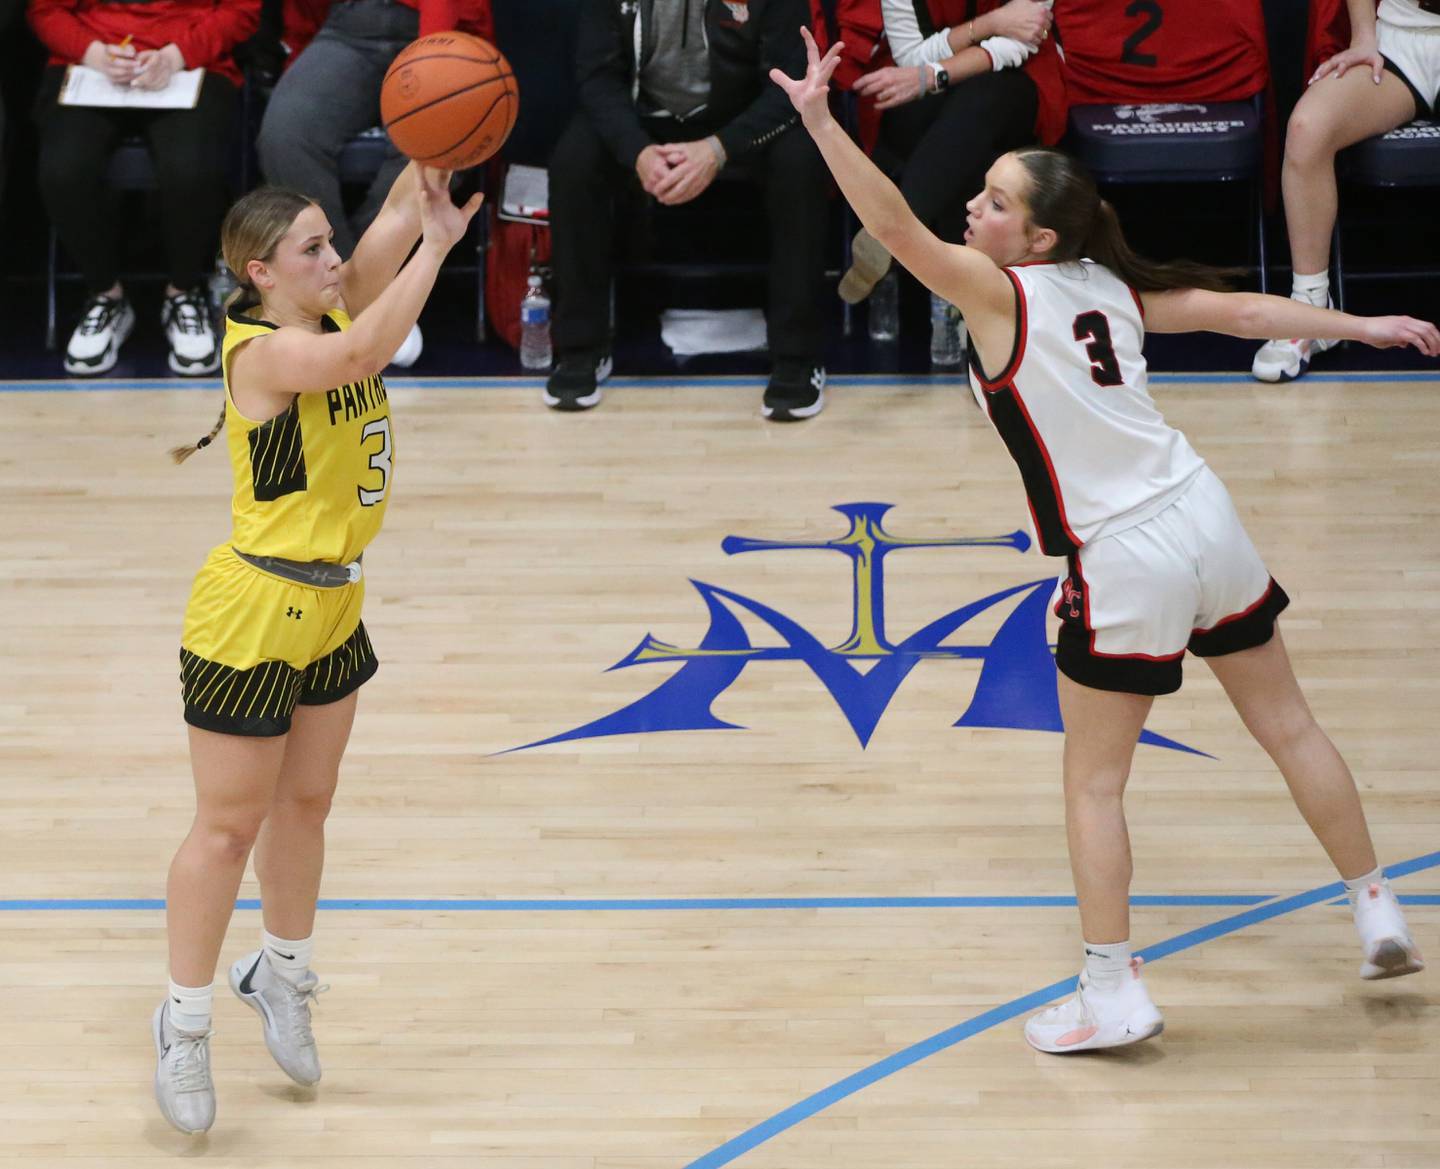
(303, 19)
(205, 31)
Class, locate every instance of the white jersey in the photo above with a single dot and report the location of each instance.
(1072, 406)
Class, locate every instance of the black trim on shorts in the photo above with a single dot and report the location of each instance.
(255, 703)
(1127, 675)
(1245, 630)
(340, 672)
(259, 702)
(1422, 107)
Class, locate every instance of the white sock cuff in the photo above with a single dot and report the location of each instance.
(289, 959)
(190, 1006)
(1375, 876)
(1107, 956)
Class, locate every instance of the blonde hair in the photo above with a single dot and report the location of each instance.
(253, 228)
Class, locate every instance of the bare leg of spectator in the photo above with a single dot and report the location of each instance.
(1332, 114)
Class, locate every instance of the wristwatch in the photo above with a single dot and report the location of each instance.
(942, 79)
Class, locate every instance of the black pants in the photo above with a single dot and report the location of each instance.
(946, 144)
(190, 151)
(585, 183)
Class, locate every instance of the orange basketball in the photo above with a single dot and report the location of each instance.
(449, 100)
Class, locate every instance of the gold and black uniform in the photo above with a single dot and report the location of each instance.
(311, 486)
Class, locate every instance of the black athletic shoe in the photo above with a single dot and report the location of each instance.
(796, 391)
(574, 384)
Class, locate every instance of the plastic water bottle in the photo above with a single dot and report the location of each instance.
(945, 347)
(884, 309)
(535, 327)
(221, 284)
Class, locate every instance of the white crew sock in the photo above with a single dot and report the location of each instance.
(190, 1006)
(290, 960)
(1312, 289)
(1107, 964)
(1357, 885)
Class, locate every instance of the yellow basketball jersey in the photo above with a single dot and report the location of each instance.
(311, 483)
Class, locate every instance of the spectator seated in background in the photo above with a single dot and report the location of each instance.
(140, 45)
(1388, 75)
(698, 100)
(330, 92)
(970, 81)
(8, 9)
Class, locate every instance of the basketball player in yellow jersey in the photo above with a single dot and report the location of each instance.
(273, 651)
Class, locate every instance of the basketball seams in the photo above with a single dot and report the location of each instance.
(479, 125)
(435, 101)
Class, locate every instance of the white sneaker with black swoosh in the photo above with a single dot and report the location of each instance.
(1092, 1018)
(284, 1010)
(183, 1087)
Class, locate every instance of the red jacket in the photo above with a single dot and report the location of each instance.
(1043, 67)
(205, 31)
(303, 19)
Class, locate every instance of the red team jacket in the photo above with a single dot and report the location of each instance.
(1152, 51)
(303, 18)
(205, 31)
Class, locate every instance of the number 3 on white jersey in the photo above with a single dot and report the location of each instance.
(379, 461)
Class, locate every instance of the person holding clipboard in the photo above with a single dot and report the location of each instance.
(140, 49)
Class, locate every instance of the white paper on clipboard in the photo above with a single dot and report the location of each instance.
(526, 194)
(89, 87)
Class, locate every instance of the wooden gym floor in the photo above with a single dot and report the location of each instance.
(755, 941)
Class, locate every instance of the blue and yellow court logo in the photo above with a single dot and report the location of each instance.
(1016, 689)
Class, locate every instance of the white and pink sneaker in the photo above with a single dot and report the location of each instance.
(1389, 950)
(1093, 1018)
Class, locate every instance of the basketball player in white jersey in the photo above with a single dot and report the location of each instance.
(1158, 561)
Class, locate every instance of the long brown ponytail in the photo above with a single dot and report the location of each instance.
(253, 228)
(1064, 198)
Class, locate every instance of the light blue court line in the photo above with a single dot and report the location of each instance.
(681, 904)
(790, 1117)
(212, 385)
(659, 903)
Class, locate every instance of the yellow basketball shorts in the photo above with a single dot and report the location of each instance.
(256, 645)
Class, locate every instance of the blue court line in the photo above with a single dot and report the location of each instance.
(212, 385)
(781, 1121)
(657, 903)
(578, 905)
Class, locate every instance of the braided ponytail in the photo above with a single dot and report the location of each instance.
(253, 228)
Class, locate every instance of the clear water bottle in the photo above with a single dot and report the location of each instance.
(535, 327)
(884, 308)
(221, 284)
(946, 349)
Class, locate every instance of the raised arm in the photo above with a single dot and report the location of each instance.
(965, 277)
(1250, 314)
(265, 370)
(389, 239)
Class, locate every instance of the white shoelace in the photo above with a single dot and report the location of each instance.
(187, 316)
(190, 1063)
(297, 1000)
(97, 316)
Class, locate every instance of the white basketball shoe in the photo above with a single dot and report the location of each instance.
(1389, 950)
(284, 1010)
(1092, 1018)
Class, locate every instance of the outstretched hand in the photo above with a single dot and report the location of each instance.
(810, 95)
(441, 222)
(1389, 332)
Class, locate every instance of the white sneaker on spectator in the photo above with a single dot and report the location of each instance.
(1284, 361)
(194, 349)
(1389, 949)
(94, 346)
(410, 349)
(1093, 1018)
